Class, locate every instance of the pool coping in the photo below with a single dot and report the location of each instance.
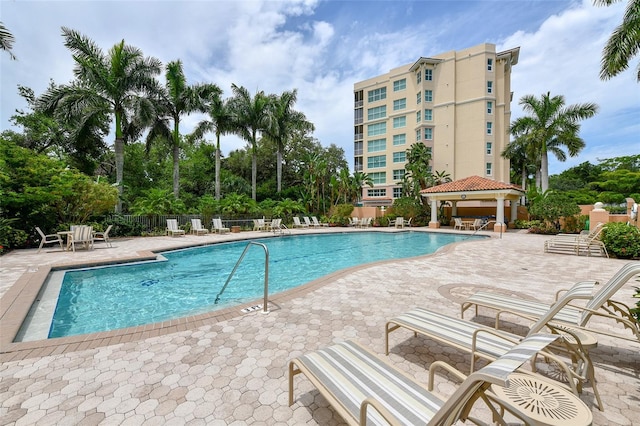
(17, 301)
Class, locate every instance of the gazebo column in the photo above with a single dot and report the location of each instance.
(514, 211)
(499, 226)
(454, 208)
(434, 214)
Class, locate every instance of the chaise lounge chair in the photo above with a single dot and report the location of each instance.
(317, 224)
(298, 224)
(172, 228)
(488, 343)
(103, 236)
(578, 244)
(599, 304)
(48, 239)
(217, 226)
(364, 389)
(197, 228)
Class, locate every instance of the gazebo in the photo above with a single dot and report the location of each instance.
(474, 188)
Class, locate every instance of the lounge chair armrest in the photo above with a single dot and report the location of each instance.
(386, 414)
(443, 365)
(492, 332)
(514, 313)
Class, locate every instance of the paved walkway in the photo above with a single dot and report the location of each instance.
(233, 369)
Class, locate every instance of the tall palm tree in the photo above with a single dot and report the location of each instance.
(550, 127)
(418, 164)
(252, 116)
(221, 122)
(6, 40)
(624, 42)
(176, 100)
(358, 181)
(284, 121)
(521, 161)
(114, 84)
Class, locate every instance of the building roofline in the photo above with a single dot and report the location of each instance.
(511, 55)
(423, 60)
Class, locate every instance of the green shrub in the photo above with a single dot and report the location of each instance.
(621, 240)
(635, 312)
(122, 227)
(340, 214)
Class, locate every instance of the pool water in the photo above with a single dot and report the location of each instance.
(187, 283)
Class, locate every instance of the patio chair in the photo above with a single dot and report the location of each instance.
(317, 224)
(217, 226)
(48, 239)
(477, 223)
(399, 222)
(298, 224)
(82, 234)
(307, 222)
(458, 224)
(172, 228)
(354, 221)
(488, 343)
(197, 228)
(364, 389)
(598, 304)
(578, 243)
(103, 236)
(365, 222)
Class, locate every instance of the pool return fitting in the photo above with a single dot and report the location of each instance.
(265, 306)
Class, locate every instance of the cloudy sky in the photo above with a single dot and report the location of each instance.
(323, 47)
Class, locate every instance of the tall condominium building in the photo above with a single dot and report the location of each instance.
(456, 103)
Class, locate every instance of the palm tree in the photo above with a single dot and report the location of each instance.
(624, 42)
(284, 121)
(521, 161)
(178, 99)
(358, 181)
(106, 84)
(6, 40)
(418, 164)
(251, 115)
(221, 122)
(550, 127)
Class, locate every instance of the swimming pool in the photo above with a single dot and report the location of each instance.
(188, 281)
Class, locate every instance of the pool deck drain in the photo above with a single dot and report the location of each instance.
(232, 370)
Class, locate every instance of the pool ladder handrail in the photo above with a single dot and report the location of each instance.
(485, 225)
(265, 308)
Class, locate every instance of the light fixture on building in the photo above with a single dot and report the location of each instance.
(463, 196)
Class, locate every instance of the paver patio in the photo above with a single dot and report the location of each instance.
(232, 369)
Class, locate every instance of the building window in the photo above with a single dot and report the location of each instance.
(376, 145)
(379, 178)
(377, 112)
(418, 97)
(377, 161)
(399, 85)
(429, 150)
(419, 77)
(399, 104)
(399, 122)
(489, 107)
(428, 134)
(418, 135)
(428, 115)
(357, 164)
(489, 171)
(357, 148)
(418, 117)
(489, 128)
(376, 129)
(376, 192)
(399, 157)
(428, 95)
(398, 174)
(489, 86)
(397, 192)
(377, 94)
(489, 64)
(489, 148)
(400, 139)
(428, 75)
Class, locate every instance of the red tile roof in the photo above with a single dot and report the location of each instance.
(469, 184)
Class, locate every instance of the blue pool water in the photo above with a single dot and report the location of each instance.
(108, 298)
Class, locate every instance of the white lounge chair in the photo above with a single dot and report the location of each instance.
(317, 224)
(259, 225)
(488, 343)
(103, 236)
(307, 222)
(83, 235)
(354, 221)
(399, 222)
(197, 228)
(298, 224)
(578, 243)
(48, 239)
(172, 228)
(598, 304)
(217, 226)
(458, 224)
(364, 389)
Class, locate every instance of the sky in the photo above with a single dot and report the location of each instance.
(321, 48)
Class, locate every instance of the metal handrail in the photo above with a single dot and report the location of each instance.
(265, 309)
(484, 226)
